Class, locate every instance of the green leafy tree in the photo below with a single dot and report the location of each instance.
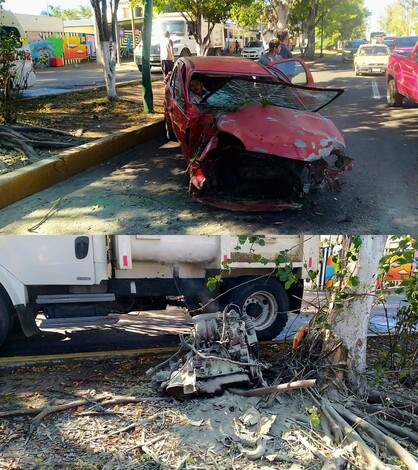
(198, 12)
(248, 15)
(9, 69)
(78, 13)
(401, 18)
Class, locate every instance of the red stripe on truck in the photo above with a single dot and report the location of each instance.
(125, 260)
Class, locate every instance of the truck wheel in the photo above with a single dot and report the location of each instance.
(6, 313)
(266, 302)
(394, 98)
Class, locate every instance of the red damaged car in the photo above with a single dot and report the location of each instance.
(252, 139)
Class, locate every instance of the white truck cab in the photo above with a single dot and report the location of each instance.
(69, 278)
(24, 74)
(181, 33)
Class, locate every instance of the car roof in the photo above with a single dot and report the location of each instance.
(225, 64)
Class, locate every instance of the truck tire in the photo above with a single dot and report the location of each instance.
(266, 302)
(6, 315)
(394, 98)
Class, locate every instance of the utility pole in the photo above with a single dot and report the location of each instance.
(146, 69)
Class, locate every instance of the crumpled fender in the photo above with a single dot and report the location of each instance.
(285, 132)
(197, 177)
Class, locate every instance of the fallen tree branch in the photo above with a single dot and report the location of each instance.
(287, 387)
(46, 216)
(48, 410)
(406, 457)
(352, 436)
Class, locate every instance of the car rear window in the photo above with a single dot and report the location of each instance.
(374, 50)
(240, 92)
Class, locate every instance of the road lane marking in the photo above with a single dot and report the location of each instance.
(375, 88)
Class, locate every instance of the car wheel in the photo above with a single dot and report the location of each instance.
(394, 98)
(169, 132)
(266, 303)
(140, 68)
(356, 70)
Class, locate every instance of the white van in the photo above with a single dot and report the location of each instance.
(25, 75)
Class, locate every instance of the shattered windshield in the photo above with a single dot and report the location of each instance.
(239, 92)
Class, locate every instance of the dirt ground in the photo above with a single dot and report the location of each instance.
(115, 419)
(86, 114)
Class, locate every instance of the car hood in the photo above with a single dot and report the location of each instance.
(285, 132)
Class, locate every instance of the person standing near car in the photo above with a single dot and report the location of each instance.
(272, 54)
(166, 55)
(284, 39)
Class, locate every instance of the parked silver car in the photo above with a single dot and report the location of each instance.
(252, 50)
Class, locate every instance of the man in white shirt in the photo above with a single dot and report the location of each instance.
(166, 55)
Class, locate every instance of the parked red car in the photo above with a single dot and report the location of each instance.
(255, 141)
(402, 77)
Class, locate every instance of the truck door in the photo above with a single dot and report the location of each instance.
(54, 259)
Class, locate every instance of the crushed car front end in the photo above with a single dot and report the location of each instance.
(265, 147)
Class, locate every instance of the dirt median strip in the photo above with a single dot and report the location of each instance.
(43, 174)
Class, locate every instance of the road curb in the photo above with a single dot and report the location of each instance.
(40, 175)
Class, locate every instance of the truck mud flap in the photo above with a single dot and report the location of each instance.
(27, 320)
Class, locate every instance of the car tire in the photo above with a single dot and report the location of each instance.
(266, 302)
(356, 70)
(394, 98)
(140, 68)
(169, 132)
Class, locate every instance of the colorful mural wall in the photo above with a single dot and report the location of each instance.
(69, 47)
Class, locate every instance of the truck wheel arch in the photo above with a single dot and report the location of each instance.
(265, 301)
(6, 314)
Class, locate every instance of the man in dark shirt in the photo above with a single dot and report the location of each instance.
(284, 39)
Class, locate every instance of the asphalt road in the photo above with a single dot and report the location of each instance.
(55, 80)
(155, 329)
(145, 190)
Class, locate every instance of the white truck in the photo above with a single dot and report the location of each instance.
(181, 33)
(23, 73)
(69, 278)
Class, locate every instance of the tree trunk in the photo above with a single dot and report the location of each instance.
(310, 48)
(107, 54)
(109, 71)
(349, 324)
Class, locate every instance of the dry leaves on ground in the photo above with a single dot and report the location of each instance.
(107, 416)
(86, 115)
